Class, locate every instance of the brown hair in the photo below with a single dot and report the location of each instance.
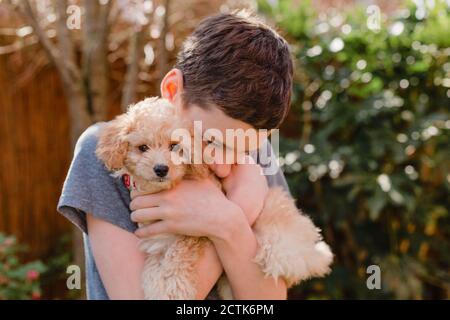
(240, 64)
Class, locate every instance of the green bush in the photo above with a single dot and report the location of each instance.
(18, 280)
(370, 157)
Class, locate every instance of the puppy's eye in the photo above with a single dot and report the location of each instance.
(143, 148)
(174, 147)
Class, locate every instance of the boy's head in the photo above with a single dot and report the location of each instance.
(232, 72)
(239, 64)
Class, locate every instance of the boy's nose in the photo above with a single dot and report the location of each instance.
(161, 170)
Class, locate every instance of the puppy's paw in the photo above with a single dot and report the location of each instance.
(299, 264)
(290, 245)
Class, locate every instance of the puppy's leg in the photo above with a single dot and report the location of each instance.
(290, 245)
(170, 273)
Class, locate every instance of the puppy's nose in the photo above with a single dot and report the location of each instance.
(161, 170)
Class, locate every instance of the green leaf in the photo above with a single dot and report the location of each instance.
(376, 203)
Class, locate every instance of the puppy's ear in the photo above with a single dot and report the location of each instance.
(112, 146)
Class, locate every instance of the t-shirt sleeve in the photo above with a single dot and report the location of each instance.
(90, 188)
(267, 159)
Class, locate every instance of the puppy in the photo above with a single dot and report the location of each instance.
(137, 145)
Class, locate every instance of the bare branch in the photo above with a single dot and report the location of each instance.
(65, 42)
(64, 68)
(114, 13)
(95, 49)
(104, 25)
(131, 78)
(18, 45)
(79, 116)
(62, 30)
(163, 56)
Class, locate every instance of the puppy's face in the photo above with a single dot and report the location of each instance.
(150, 152)
(139, 143)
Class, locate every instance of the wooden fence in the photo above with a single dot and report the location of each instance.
(35, 154)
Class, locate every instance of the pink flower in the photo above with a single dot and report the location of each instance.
(35, 295)
(9, 241)
(32, 275)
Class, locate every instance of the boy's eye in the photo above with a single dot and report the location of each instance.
(143, 148)
(174, 147)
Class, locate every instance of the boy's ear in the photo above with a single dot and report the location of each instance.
(172, 85)
(112, 146)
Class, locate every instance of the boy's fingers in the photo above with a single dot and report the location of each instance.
(152, 229)
(146, 201)
(134, 193)
(147, 215)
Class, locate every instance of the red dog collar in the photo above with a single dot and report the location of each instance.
(128, 182)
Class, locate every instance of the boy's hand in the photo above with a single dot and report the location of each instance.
(247, 187)
(193, 207)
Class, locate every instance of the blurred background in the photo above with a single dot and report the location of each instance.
(365, 148)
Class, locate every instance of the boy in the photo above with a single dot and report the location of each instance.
(233, 72)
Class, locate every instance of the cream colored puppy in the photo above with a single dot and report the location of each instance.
(138, 144)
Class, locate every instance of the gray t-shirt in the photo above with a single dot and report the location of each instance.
(90, 188)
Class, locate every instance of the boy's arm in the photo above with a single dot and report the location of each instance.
(238, 249)
(247, 281)
(120, 262)
(117, 257)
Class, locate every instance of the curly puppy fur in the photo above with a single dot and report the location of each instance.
(290, 245)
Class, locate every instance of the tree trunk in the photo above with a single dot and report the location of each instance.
(95, 62)
(132, 76)
(163, 56)
(80, 120)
